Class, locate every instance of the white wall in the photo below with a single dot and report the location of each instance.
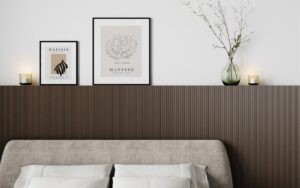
(182, 50)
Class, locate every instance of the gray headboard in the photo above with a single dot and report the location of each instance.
(210, 153)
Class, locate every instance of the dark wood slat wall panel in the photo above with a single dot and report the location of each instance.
(151, 122)
(34, 106)
(293, 141)
(69, 105)
(90, 121)
(2, 106)
(176, 112)
(297, 139)
(277, 136)
(259, 125)
(57, 112)
(15, 128)
(44, 127)
(7, 111)
(199, 109)
(232, 117)
(104, 112)
(128, 113)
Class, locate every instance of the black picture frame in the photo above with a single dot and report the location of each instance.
(77, 62)
(150, 49)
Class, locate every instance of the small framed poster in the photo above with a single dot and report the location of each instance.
(58, 62)
(121, 51)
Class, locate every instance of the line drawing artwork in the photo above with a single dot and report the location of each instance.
(121, 47)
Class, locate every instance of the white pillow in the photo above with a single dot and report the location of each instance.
(197, 173)
(84, 171)
(69, 183)
(26, 174)
(158, 182)
(80, 171)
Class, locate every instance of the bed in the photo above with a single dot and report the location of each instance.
(211, 153)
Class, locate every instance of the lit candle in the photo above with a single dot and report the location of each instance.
(253, 79)
(25, 79)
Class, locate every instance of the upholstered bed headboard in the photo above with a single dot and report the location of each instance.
(211, 153)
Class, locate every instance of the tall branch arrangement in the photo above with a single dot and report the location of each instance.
(229, 39)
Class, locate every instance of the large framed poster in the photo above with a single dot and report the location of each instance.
(121, 51)
(58, 62)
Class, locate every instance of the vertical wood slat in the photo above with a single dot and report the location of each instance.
(127, 105)
(2, 108)
(259, 125)
(232, 116)
(44, 126)
(150, 113)
(175, 118)
(103, 106)
(199, 109)
(296, 161)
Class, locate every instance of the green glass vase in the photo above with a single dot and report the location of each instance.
(231, 74)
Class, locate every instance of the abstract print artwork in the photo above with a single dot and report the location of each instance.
(121, 50)
(58, 62)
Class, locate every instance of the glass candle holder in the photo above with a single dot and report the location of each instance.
(25, 79)
(253, 79)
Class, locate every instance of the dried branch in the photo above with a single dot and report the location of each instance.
(224, 23)
(200, 13)
(220, 28)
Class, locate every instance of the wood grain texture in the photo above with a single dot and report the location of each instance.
(259, 125)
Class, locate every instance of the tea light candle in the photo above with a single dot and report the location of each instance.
(253, 79)
(25, 79)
